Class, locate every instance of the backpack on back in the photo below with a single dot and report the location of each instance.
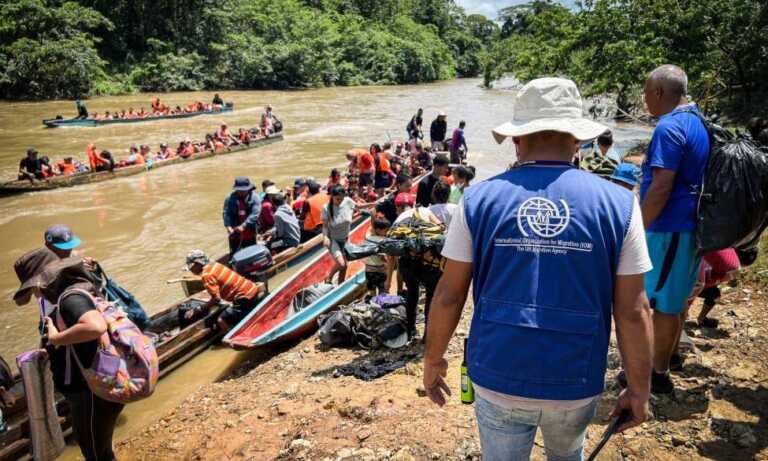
(733, 205)
(126, 367)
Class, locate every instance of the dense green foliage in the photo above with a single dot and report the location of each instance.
(53, 49)
(610, 45)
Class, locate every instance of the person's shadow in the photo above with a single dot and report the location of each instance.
(734, 442)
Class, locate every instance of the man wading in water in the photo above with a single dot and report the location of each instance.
(544, 289)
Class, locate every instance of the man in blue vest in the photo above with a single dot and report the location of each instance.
(673, 171)
(552, 254)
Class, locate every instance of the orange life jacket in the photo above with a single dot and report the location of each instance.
(93, 157)
(66, 168)
(243, 136)
(314, 217)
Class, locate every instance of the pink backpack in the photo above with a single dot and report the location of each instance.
(125, 368)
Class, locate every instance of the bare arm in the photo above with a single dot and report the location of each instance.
(444, 315)
(634, 332)
(658, 194)
(89, 327)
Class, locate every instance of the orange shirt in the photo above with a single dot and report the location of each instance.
(93, 156)
(224, 283)
(384, 165)
(139, 159)
(314, 216)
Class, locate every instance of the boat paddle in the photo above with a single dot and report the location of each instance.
(609, 431)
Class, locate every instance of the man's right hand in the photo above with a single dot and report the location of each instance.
(635, 404)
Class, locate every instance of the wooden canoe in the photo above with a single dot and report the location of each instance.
(271, 321)
(175, 347)
(90, 122)
(22, 186)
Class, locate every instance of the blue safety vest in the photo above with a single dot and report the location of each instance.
(546, 240)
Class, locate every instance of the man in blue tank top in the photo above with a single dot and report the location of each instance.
(673, 171)
(552, 253)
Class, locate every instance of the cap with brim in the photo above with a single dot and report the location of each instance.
(626, 173)
(549, 104)
(195, 257)
(242, 184)
(441, 114)
(29, 269)
(61, 237)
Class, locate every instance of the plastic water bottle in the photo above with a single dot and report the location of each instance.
(467, 391)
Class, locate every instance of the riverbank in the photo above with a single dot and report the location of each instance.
(292, 406)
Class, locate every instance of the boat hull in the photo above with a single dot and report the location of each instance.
(271, 322)
(20, 187)
(90, 123)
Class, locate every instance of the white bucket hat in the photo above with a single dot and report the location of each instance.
(549, 104)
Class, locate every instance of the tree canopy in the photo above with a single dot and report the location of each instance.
(67, 49)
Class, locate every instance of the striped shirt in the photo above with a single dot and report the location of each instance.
(224, 283)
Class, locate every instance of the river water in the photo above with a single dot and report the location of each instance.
(141, 227)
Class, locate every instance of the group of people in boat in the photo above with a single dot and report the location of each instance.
(35, 168)
(456, 145)
(157, 109)
(380, 181)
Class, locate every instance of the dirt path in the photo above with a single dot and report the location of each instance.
(291, 406)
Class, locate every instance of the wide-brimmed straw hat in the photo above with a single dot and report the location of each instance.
(549, 104)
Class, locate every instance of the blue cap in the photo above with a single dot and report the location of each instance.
(61, 237)
(242, 183)
(628, 173)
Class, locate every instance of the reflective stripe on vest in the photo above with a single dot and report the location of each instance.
(546, 244)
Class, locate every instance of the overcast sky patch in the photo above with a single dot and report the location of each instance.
(489, 8)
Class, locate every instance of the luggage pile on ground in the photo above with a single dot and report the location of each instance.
(374, 324)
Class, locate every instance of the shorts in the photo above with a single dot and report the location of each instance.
(382, 181)
(675, 270)
(233, 314)
(375, 280)
(337, 247)
(365, 179)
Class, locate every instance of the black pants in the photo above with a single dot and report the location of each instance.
(415, 274)
(236, 243)
(93, 423)
(310, 234)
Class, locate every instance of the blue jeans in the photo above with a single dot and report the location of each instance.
(508, 435)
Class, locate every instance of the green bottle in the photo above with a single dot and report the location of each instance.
(467, 391)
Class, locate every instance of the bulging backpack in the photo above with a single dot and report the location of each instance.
(125, 368)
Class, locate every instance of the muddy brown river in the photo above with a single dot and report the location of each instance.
(141, 227)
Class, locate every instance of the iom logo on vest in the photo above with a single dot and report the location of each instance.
(543, 217)
(540, 222)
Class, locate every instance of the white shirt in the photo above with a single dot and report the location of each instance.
(424, 213)
(444, 212)
(633, 259)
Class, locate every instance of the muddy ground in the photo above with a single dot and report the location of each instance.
(291, 405)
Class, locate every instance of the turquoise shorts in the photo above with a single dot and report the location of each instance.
(675, 270)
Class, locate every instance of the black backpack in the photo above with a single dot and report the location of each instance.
(733, 203)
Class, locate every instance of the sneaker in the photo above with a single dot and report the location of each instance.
(661, 383)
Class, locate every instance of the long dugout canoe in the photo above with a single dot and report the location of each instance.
(90, 122)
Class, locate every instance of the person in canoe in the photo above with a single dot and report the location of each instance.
(312, 211)
(267, 215)
(287, 231)
(99, 160)
(157, 107)
(437, 132)
(414, 126)
(217, 101)
(242, 208)
(458, 144)
(165, 153)
(82, 112)
(67, 166)
(224, 135)
(222, 284)
(31, 167)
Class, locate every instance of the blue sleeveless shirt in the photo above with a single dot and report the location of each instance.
(546, 242)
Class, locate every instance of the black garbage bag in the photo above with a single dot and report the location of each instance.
(355, 251)
(335, 329)
(733, 207)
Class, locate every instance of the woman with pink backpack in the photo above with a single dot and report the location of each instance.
(88, 354)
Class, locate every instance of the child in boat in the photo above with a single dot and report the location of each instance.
(224, 135)
(376, 265)
(67, 166)
(243, 137)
